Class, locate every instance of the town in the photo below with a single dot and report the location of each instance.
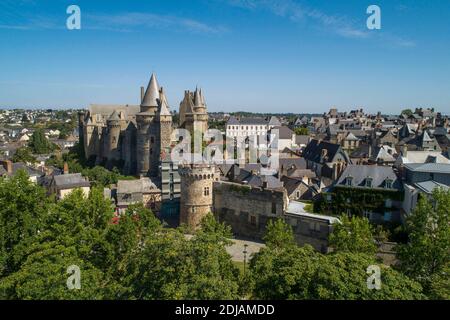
(335, 168)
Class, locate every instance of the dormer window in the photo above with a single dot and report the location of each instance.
(349, 180)
(388, 184)
(369, 182)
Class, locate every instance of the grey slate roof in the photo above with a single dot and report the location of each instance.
(428, 167)
(284, 132)
(313, 150)
(301, 139)
(378, 174)
(291, 184)
(70, 181)
(151, 95)
(107, 109)
(429, 186)
(135, 186)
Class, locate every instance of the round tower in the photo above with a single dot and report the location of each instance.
(143, 122)
(196, 199)
(114, 127)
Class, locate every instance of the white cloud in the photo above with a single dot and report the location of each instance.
(339, 25)
(131, 20)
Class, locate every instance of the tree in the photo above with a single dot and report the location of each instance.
(24, 154)
(407, 112)
(293, 272)
(301, 131)
(344, 276)
(172, 267)
(44, 276)
(426, 255)
(39, 143)
(353, 234)
(278, 234)
(22, 213)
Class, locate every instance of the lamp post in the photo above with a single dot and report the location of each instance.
(245, 256)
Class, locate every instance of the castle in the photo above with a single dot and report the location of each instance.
(138, 137)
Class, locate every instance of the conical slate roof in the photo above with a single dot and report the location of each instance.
(114, 116)
(164, 105)
(151, 95)
(202, 98)
(197, 99)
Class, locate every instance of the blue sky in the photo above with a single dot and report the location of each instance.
(253, 55)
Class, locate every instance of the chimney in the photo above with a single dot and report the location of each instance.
(7, 164)
(66, 168)
(264, 184)
(404, 150)
(142, 93)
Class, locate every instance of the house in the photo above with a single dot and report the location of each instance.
(62, 185)
(420, 172)
(383, 155)
(409, 157)
(295, 187)
(286, 137)
(325, 159)
(350, 142)
(138, 191)
(8, 168)
(385, 137)
(374, 192)
(247, 127)
(414, 191)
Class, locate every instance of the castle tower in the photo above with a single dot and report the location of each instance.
(193, 113)
(113, 134)
(196, 199)
(90, 137)
(146, 133)
(165, 125)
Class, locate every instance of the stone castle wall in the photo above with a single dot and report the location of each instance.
(196, 193)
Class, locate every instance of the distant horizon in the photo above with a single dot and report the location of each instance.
(242, 111)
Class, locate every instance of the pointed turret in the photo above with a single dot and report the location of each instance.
(164, 111)
(197, 98)
(114, 116)
(202, 98)
(151, 95)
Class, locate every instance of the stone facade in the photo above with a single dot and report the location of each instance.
(196, 192)
(248, 210)
(138, 137)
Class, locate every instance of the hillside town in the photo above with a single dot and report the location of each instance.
(340, 162)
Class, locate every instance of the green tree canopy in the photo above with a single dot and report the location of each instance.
(293, 272)
(426, 256)
(24, 154)
(407, 112)
(39, 143)
(22, 214)
(301, 131)
(353, 234)
(173, 267)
